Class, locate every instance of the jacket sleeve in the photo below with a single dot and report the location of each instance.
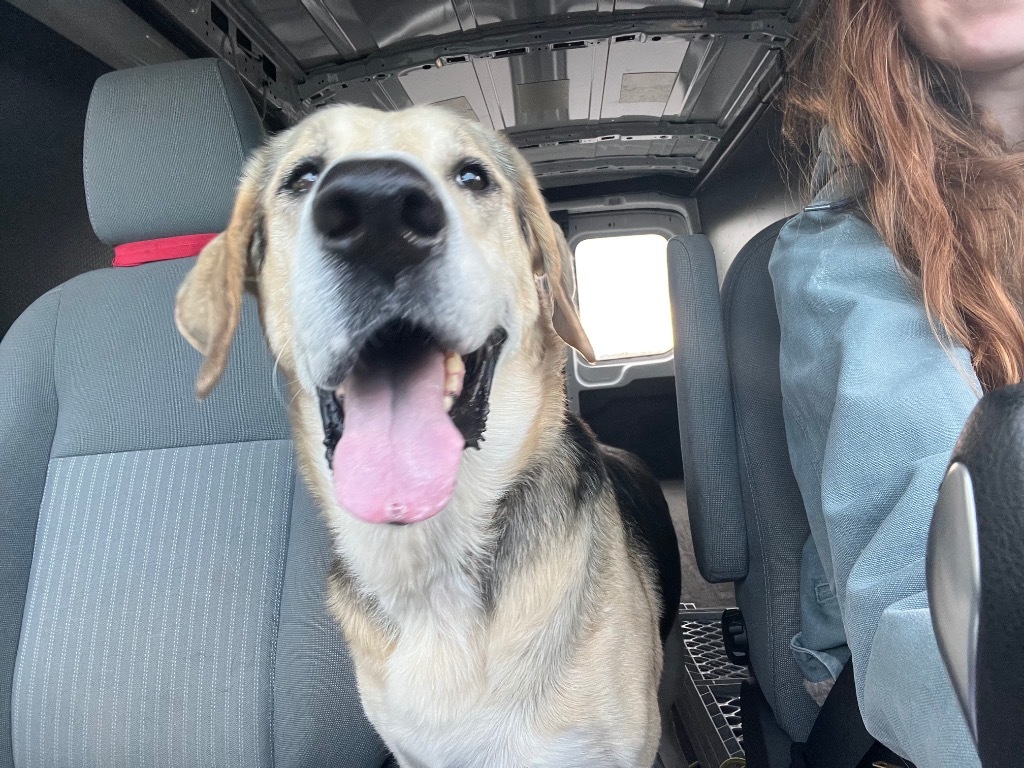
(873, 406)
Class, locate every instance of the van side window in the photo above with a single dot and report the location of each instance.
(622, 288)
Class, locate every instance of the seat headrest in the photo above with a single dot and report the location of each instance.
(164, 149)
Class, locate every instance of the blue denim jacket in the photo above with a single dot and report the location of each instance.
(873, 405)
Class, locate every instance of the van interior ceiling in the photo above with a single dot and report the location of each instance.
(641, 118)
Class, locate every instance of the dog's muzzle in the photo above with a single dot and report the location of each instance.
(380, 215)
(396, 428)
(400, 404)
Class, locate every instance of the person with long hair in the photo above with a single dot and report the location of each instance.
(900, 291)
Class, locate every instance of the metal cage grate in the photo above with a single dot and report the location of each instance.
(715, 679)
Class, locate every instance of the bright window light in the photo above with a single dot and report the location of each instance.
(622, 286)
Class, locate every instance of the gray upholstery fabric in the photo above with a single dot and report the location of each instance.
(127, 377)
(27, 421)
(707, 428)
(314, 671)
(150, 621)
(132, 449)
(777, 526)
(164, 148)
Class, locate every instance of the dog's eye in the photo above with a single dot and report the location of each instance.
(473, 176)
(302, 179)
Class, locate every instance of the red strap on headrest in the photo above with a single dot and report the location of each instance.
(145, 251)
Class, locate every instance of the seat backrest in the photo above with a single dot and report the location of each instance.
(746, 514)
(707, 426)
(776, 523)
(162, 568)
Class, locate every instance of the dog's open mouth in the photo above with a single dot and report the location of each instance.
(396, 428)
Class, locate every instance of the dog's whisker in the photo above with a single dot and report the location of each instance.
(273, 373)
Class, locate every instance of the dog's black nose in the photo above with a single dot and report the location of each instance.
(380, 214)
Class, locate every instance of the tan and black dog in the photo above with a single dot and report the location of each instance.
(504, 581)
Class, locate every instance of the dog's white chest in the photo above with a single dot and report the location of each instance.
(457, 719)
(488, 735)
(483, 737)
(458, 691)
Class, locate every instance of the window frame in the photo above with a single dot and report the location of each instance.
(640, 214)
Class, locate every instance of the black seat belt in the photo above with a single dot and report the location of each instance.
(838, 738)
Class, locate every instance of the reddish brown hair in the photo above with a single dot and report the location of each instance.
(942, 188)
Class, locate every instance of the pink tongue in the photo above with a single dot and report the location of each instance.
(399, 452)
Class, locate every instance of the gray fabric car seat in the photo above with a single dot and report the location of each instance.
(162, 567)
(740, 339)
(707, 426)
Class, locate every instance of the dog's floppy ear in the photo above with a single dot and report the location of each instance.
(551, 257)
(209, 302)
